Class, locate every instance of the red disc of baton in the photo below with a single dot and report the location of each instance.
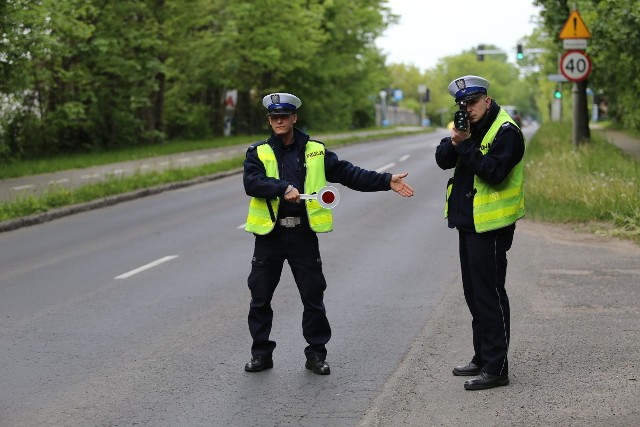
(328, 197)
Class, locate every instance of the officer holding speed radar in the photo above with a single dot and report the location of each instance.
(485, 198)
(276, 172)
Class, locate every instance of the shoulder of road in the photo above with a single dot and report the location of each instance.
(36, 185)
(575, 340)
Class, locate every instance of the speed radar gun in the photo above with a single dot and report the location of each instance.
(328, 197)
(461, 117)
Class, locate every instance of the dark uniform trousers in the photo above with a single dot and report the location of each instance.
(483, 260)
(298, 245)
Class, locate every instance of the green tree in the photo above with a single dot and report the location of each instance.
(24, 40)
(97, 74)
(613, 25)
(407, 78)
(348, 69)
(506, 87)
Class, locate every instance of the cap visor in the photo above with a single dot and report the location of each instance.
(469, 97)
(280, 113)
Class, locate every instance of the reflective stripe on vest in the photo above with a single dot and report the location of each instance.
(320, 219)
(259, 219)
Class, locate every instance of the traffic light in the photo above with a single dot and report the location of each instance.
(557, 94)
(520, 54)
(427, 95)
(479, 54)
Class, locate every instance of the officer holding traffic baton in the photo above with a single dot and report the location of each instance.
(278, 174)
(485, 198)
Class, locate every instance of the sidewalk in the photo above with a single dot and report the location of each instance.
(13, 188)
(575, 343)
(623, 141)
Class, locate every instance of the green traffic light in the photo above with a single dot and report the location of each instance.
(520, 56)
(557, 94)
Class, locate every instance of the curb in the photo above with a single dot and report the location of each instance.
(39, 218)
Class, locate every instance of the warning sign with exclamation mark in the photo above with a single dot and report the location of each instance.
(575, 28)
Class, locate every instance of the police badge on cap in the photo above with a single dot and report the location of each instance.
(281, 103)
(468, 87)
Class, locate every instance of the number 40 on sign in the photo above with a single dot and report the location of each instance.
(575, 65)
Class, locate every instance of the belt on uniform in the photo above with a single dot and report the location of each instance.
(290, 221)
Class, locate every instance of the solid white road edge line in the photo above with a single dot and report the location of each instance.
(146, 267)
(23, 187)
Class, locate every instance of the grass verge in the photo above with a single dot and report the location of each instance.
(80, 161)
(58, 197)
(594, 186)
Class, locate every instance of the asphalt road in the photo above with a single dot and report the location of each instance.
(136, 313)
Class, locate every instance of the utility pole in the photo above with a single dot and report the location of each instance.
(383, 108)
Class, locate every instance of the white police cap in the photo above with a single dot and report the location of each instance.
(281, 103)
(468, 87)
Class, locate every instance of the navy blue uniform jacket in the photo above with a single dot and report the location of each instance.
(505, 152)
(291, 167)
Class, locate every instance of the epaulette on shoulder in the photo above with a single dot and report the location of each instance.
(509, 125)
(255, 144)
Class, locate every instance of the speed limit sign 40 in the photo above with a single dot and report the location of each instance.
(575, 65)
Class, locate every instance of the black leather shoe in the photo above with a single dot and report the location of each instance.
(485, 381)
(466, 370)
(258, 363)
(318, 366)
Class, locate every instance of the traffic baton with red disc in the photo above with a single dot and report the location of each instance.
(328, 197)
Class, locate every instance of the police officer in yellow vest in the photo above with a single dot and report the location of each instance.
(485, 198)
(276, 172)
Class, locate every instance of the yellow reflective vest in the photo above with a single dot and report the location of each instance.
(260, 219)
(496, 206)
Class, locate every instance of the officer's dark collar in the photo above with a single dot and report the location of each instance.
(480, 129)
(277, 141)
(299, 138)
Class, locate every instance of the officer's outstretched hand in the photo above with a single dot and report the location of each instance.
(399, 186)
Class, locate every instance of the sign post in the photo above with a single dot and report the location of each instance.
(575, 66)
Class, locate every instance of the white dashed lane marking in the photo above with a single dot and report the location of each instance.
(146, 267)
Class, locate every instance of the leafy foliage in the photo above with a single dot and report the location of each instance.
(90, 75)
(614, 26)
